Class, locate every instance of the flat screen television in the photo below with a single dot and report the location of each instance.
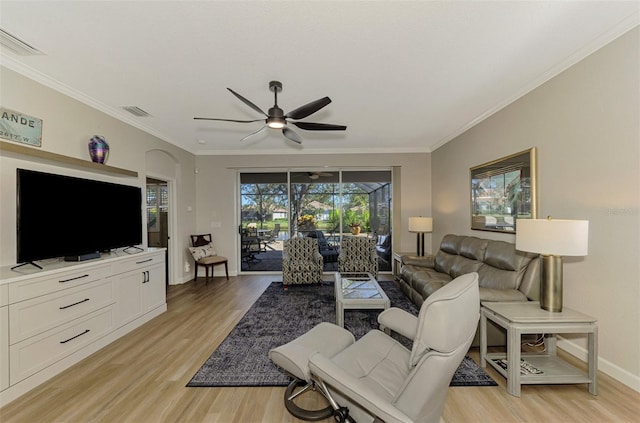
(64, 216)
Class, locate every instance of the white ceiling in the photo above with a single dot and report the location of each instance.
(403, 76)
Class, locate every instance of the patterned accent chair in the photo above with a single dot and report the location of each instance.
(301, 261)
(358, 254)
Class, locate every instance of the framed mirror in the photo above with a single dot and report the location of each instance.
(503, 191)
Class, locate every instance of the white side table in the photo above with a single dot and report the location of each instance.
(520, 318)
(397, 263)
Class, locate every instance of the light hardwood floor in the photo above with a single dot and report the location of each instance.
(142, 376)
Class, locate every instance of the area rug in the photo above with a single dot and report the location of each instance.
(279, 316)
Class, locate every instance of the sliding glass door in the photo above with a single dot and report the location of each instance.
(327, 205)
(315, 209)
(264, 220)
(366, 209)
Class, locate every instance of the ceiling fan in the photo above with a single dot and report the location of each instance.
(276, 118)
(317, 175)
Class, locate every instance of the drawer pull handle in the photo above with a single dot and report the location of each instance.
(74, 304)
(74, 337)
(144, 261)
(73, 279)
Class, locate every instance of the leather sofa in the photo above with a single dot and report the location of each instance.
(505, 274)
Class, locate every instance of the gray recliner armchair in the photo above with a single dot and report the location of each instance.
(377, 378)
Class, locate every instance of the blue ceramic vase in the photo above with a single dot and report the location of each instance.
(98, 149)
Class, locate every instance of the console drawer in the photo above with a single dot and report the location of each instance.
(140, 262)
(36, 353)
(24, 290)
(31, 317)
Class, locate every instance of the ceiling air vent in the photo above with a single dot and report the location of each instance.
(16, 45)
(136, 111)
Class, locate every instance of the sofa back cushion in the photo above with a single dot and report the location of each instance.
(473, 248)
(451, 244)
(460, 254)
(504, 255)
(462, 265)
(498, 263)
(503, 266)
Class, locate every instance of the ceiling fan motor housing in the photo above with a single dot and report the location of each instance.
(276, 118)
(276, 112)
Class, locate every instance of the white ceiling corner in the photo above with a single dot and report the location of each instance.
(404, 76)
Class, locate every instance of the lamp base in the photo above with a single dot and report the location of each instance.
(551, 283)
(420, 244)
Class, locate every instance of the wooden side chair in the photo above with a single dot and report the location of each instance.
(204, 254)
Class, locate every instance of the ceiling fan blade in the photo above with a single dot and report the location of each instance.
(308, 109)
(229, 120)
(247, 102)
(253, 133)
(310, 126)
(291, 135)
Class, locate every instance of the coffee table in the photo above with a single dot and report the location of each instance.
(358, 291)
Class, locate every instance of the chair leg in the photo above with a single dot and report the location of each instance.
(195, 273)
(226, 270)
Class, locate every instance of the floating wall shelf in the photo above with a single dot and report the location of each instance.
(59, 158)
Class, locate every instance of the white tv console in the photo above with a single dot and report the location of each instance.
(52, 318)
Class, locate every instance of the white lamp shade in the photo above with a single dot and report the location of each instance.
(420, 224)
(556, 237)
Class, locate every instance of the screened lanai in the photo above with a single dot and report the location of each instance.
(328, 205)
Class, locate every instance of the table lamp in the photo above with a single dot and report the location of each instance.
(420, 225)
(552, 238)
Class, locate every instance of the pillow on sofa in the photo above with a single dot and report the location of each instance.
(202, 251)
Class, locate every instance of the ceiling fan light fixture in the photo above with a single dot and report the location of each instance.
(276, 123)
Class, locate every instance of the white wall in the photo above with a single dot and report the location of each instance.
(216, 187)
(585, 124)
(67, 127)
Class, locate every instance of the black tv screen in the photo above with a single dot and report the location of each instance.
(63, 216)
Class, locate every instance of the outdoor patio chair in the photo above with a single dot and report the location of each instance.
(273, 235)
(328, 251)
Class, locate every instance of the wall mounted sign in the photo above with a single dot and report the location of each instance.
(18, 127)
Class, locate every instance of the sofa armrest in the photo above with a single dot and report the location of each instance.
(425, 261)
(398, 321)
(493, 294)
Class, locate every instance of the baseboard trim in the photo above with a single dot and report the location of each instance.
(605, 366)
